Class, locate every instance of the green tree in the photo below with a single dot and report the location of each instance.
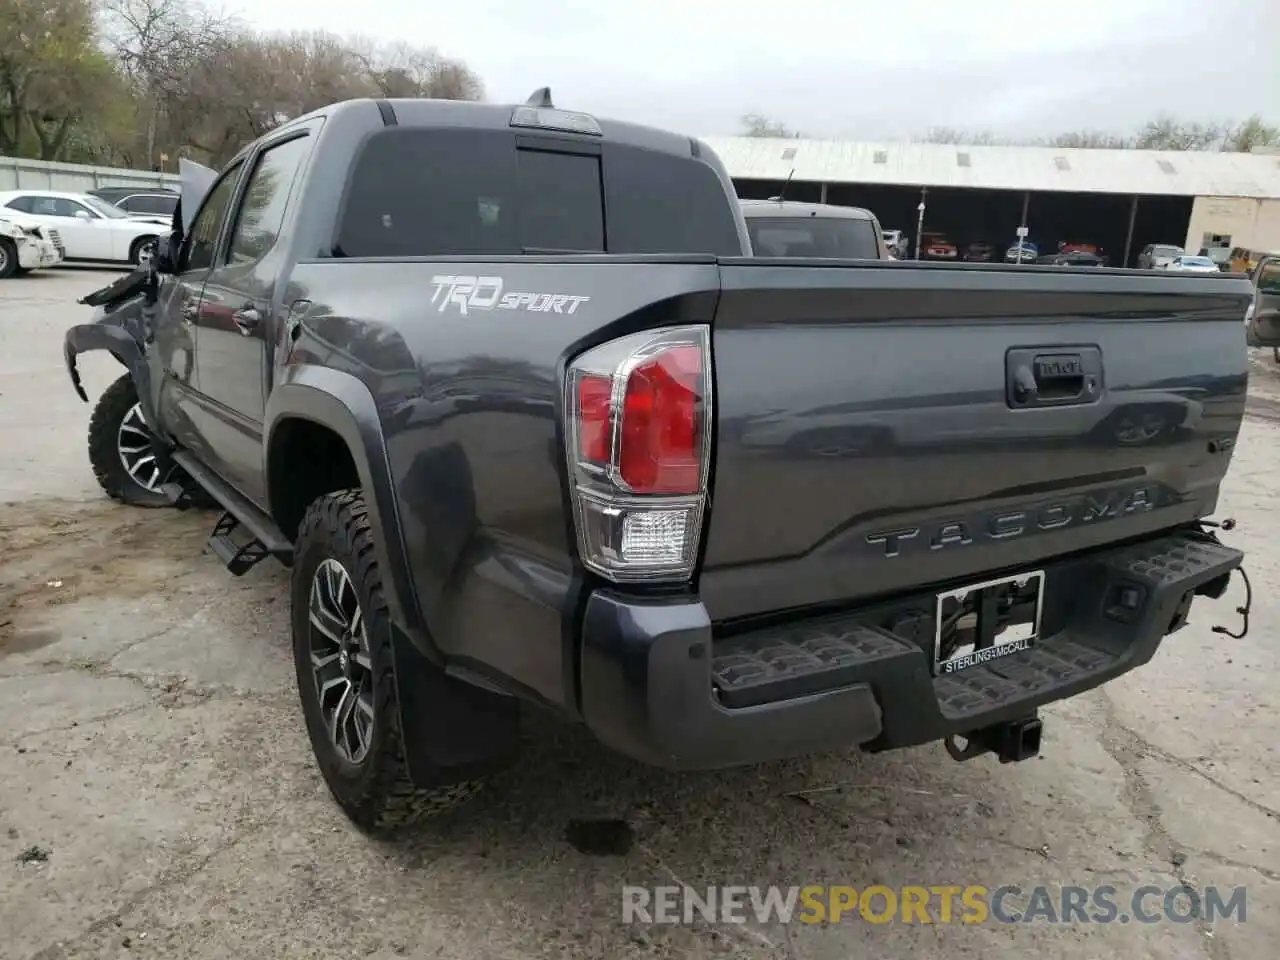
(52, 73)
(1251, 133)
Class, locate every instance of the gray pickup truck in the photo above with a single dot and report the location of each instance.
(505, 389)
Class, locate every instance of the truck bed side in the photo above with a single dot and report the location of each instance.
(471, 405)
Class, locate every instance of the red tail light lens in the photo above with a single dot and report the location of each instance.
(594, 395)
(639, 422)
(661, 444)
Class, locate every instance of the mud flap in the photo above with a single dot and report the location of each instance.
(452, 731)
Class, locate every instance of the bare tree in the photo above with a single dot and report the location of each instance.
(976, 138)
(1090, 140)
(1162, 133)
(150, 78)
(161, 45)
(403, 70)
(1166, 133)
(758, 125)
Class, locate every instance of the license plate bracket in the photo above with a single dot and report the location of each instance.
(982, 622)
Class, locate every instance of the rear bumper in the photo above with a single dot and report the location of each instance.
(657, 686)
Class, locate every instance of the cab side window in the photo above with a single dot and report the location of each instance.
(201, 244)
(262, 208)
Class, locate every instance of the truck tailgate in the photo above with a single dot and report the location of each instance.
(881, 428)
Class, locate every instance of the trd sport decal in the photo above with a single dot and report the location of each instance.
(469, 293)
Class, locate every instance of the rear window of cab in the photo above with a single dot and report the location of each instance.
(431, 192)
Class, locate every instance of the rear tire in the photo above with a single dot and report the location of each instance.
(8, 258)
(120, 448)
(346, 678)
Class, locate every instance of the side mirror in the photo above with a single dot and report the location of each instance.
(83, 215)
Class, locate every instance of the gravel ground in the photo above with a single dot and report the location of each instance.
(158, 798)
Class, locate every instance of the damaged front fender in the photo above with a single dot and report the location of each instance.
(104, 336)
(118, 327)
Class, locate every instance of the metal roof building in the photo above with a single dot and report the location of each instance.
(1148, 173)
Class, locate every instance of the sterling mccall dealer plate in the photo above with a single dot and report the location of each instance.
(985, 621)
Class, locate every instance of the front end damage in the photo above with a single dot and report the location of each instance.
(123, 324)
(125, 321)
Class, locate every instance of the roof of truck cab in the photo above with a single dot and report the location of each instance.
(424, 112)
(795, 208)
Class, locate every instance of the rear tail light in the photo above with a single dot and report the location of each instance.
(639, 449)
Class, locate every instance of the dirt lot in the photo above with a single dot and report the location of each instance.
(158, 799)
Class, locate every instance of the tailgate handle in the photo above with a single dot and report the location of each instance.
(1060, 375)
(1054, 377)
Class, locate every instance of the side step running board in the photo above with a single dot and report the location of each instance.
(258, 538)
(237, 557)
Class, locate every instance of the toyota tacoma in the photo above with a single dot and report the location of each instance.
(507, 391)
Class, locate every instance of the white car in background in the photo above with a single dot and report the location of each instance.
(1191, 264)
(89, 230)
(24, 248)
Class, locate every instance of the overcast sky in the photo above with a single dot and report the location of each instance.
(867, 69)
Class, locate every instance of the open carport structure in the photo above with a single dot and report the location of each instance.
(1117, 200)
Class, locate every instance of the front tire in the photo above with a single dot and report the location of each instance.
(135, 251)
(120, 448)
(346, 678)
(8, 258)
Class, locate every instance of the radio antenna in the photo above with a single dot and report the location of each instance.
(785, 183)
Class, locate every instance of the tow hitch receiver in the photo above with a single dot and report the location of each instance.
(1012, 741)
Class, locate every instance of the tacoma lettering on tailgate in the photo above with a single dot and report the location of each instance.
(1006, 524)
